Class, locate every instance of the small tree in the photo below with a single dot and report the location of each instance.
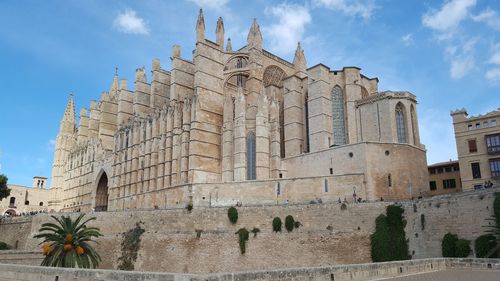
(232, 214)
(289, 223)
(66, 243)
(277, 224)
(484, 244)
(462, 248)
(243, 235)
(4, 190)
(448, 245)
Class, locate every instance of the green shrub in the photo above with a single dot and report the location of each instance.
(189, 207)
(462, 248)
(255, 230)
(289, 223)
(484, 244)
(130, 247)
(232, 214)
(297, 224)
(448, 245)
(243, 235)
(277, 224)
(389, 239)
(4, 246)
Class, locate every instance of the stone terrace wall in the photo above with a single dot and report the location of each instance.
(328, 235)
(15, 231)
(463, 214)
(359, 272)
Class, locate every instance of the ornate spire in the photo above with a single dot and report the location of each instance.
(115, 84)
(254, 38)
(299, 61)
(200, 27)
(229, 46)
(219, 33)
(68, 122)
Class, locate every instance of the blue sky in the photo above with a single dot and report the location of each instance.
(447, 53)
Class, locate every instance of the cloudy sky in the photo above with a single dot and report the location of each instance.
(445, 52)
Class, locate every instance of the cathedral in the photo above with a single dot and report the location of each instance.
(238, 126)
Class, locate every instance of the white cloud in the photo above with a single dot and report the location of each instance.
(363, 9)
(495, 56)
(461, 66)
(493, 75)
(490, 17)
(449, 16)
(211, 4)
(292, 20)
(408, 39)
(129, 22)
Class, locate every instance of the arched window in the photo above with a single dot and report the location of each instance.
(414, 128)
(338, 116)
(12, 201)
(251, 155)
(40, 204)
(400, 123)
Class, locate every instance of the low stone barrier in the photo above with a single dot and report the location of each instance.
(356, 272)
(21, 257)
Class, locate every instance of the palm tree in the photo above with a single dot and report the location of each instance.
(66, 244)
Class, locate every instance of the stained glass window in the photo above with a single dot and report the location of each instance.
(338, 116)
(400, 123)
(251, 155)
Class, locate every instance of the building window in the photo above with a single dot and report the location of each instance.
(478, 125)
(306, 117)
(338, 116)
(400, 123)
(485, 124)
(493, 123)
(495, 168)
(493, 143)
(278, 188)
(12, 201)
(326, 185)
(432, 171)
(447, 169)
(469, 127)
(449, 183)
(476, 170)
(439, 170)
(432, 185)
(251, 155)
(40, 204)
(389, 180)
(472, 146)
(26, 202)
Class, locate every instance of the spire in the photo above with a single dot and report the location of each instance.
(254, 38)
(68, 122)
(219, 33)
(229, 46)
(200, 27)
(115, 84)
(299, 61)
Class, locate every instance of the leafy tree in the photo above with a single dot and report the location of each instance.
(277, 224)
(484, 244)
(243, 235)
(4, 190)
(66, 243)
(462, 248)
(289, 223)
(448, 245)
(389, 239)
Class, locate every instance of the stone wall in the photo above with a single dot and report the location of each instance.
(15, 231)
(359, 272)
(328, 235)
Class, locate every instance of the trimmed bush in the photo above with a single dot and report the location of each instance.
(462, 248)
(484, 244)
(189, 207)
(448, 245)
(243, 235)
(232, 214)
(389, 241)
(4, 246)
(277, 224)
(289, 223)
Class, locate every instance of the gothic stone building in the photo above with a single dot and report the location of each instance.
(238, 126)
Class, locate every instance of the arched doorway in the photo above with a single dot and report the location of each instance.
(101, 196)
(10, 212)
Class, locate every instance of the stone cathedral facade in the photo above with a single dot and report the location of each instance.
(238, 126)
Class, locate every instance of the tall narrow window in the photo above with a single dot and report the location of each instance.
(338, 116)
(400, 123)
(282, 130)
(472, 146)
(306, 117)
(476, 170)
(251, 155)
(326, 185)
(414, 127)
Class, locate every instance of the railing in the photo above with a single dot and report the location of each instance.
(493, 149)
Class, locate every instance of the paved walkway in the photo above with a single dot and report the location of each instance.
(452, 275)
